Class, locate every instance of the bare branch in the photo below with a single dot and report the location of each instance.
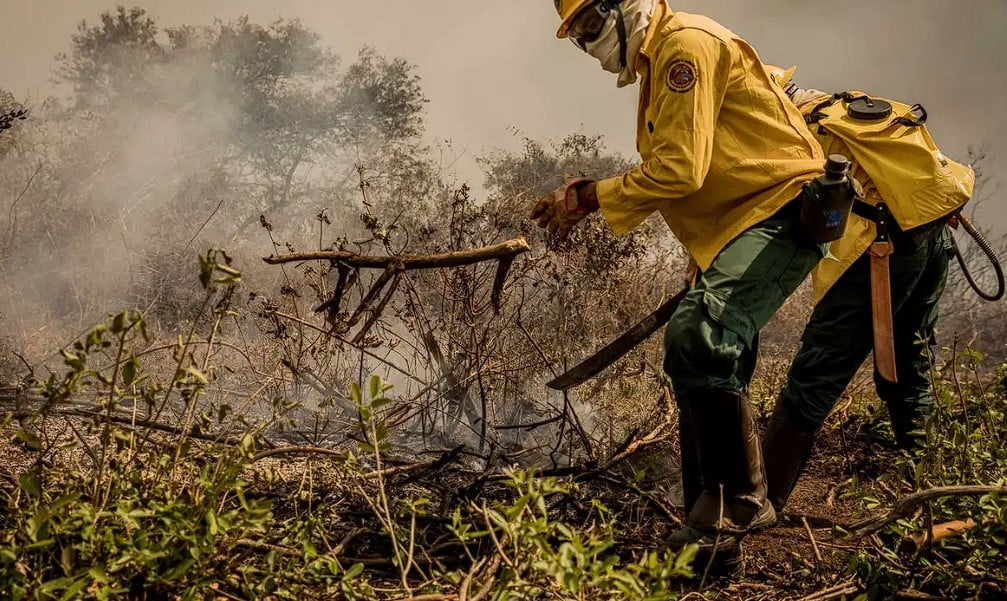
(503, 250)
(905, 507)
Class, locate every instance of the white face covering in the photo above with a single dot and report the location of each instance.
(637, 15)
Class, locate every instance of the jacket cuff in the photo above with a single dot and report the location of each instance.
(612, 203)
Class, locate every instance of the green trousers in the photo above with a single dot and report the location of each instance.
(711, 340)
(839, 337)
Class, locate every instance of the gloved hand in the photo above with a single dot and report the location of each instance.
(563, 208)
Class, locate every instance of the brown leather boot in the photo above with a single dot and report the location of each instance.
(732, 500)
(786, 446)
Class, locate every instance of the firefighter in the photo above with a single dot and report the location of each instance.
(850, 318)
(724, 156)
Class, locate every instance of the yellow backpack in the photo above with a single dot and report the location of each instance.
(889, 141)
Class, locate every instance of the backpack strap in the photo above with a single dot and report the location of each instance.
(916, 116)
(816, 113)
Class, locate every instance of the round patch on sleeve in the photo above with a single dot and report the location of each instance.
(682, 75)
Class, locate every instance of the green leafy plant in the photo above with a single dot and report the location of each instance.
(539, 557)
(965, 444)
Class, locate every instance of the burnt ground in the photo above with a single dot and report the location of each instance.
(781, 563)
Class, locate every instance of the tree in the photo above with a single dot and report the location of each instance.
(110, 58)
(185, 137)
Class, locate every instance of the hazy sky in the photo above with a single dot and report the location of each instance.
(494, 72)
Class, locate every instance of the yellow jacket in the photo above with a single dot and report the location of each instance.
(722, 146)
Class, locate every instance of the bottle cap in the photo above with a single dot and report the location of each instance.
(837, 164)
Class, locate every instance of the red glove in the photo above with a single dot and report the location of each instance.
(563, 208)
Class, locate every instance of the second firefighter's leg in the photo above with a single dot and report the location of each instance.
(835, 343)
(921, 276)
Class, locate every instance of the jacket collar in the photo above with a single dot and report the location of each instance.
(647, 50)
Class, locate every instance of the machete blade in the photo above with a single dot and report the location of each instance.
(612, 351)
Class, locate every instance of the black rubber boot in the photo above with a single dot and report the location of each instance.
(908, 423)
(692, 483)
(786, 446)
(732, 500)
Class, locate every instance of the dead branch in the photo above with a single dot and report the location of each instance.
(446, 458)
(332, 305)
(13, 208)
(501, 276)
(299, 450)
(503, 250)
(905, 507)
(531, 426)
(394, 268)
(833, 592)
(262, 546)
(632, 445)
(913, 595)
(126, 420)
(654, 501)
(306, 375)
(377, 311)
(814, 543)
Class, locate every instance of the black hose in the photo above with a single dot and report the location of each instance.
(990, 253)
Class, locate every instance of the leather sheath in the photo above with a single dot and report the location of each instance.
(881, 309)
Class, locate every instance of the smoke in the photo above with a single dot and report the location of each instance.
(106, 191)
(157, 156)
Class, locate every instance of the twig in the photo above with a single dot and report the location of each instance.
(394, 268)
(491, 571)
(357, 347)
(13, 207)
(914, 595)
(651, 499)
(534, 343)
(833, 592)
(401, 469)
(632, 446)
(958, 387)
(376, 312)
(219, 204)
(814, 544)
(906, 506)
(463, 589)
(343, 455)
(332, 305)
(311, 378)
(299, 450)
(446, 457)
(493, 536)
(350, 537)
(716, 540)
(531, 426)
(134, 424)
(261, 546)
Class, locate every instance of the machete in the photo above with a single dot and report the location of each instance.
(611, 352)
